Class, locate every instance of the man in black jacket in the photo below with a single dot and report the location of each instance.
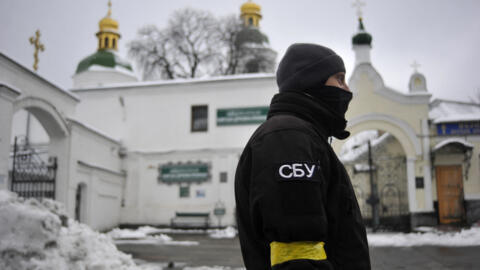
(296, 208)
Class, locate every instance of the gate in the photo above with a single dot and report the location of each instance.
(32, 177)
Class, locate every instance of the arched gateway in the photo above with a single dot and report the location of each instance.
(76, 153)
(405, 116)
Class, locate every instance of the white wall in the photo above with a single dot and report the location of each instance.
(149, 201)
(95, 162)
(157, 117)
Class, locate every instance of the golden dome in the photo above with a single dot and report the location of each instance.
(250, 8)
(108, 23)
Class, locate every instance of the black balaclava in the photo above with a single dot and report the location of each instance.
(305, 68)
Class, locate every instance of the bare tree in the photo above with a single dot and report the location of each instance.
(228, 30)
(195, 43)
(151, 53)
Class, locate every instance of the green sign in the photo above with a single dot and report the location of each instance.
(219, 211)
(183, 173)
(241, 116)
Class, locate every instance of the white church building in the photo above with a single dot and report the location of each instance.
(130, 152)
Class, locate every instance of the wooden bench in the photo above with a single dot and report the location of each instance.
(188, 220)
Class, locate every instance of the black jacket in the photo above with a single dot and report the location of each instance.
(291, 188)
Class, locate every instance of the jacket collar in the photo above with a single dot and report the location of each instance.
(311, 110)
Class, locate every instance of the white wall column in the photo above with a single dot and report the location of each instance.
(427, 167)
(7, 97)
(412, 199)
(59, 147)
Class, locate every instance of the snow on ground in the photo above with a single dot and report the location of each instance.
(145, 235)
(429, 237)
(228, 232)
(39, 235)
(155, 236)
(212, 268)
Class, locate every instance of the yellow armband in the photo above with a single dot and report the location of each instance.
(284, 252)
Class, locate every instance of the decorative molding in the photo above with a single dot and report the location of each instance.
(91, 129)
(402, 125)
(46, 106)
(95, 167)
(16, 67)
(9, 92)
(384, 91)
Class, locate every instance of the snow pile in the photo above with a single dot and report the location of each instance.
(466, 237)
(38, 235)
(228, 232)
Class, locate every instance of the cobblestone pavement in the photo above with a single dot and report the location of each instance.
(226, 252)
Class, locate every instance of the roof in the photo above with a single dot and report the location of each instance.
(445, 111)
(206, 79)
(105, 58)
(461, 141)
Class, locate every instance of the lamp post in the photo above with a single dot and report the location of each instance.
(373, 199)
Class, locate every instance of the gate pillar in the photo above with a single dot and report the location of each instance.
(412, 196)
(7, 97)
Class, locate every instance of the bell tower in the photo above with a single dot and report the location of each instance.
(251, 14)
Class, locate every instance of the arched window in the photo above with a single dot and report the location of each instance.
(250, 21)
(106, 42)
(113, 43)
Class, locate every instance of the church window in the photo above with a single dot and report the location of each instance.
(250, 21)
(113, 43)
(223, 177)
(199, 118)
(106, 42)
(184, 191)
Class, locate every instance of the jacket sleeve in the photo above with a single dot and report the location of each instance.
(287, 200)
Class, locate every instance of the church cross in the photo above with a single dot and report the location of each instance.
(358, 4)
(38, 47)
(415, 65)
(109, 8)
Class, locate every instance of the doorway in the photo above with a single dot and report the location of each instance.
(450, 194)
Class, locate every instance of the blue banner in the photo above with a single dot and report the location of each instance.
(463, 128)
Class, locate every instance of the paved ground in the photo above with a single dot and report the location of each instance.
(226, 252)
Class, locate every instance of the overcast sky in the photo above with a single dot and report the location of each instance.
(442, 35)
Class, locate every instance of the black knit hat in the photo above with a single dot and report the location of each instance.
(306, 66)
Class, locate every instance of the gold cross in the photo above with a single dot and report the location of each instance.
(358, 4)
(109, 8)
(38, 47)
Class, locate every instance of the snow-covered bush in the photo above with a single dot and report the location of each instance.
(38, 235)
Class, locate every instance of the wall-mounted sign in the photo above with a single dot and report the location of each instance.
(241, 116)
(178, 173)
(463, 128)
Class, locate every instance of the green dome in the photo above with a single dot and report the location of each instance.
(103, 58)
(362, 37)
